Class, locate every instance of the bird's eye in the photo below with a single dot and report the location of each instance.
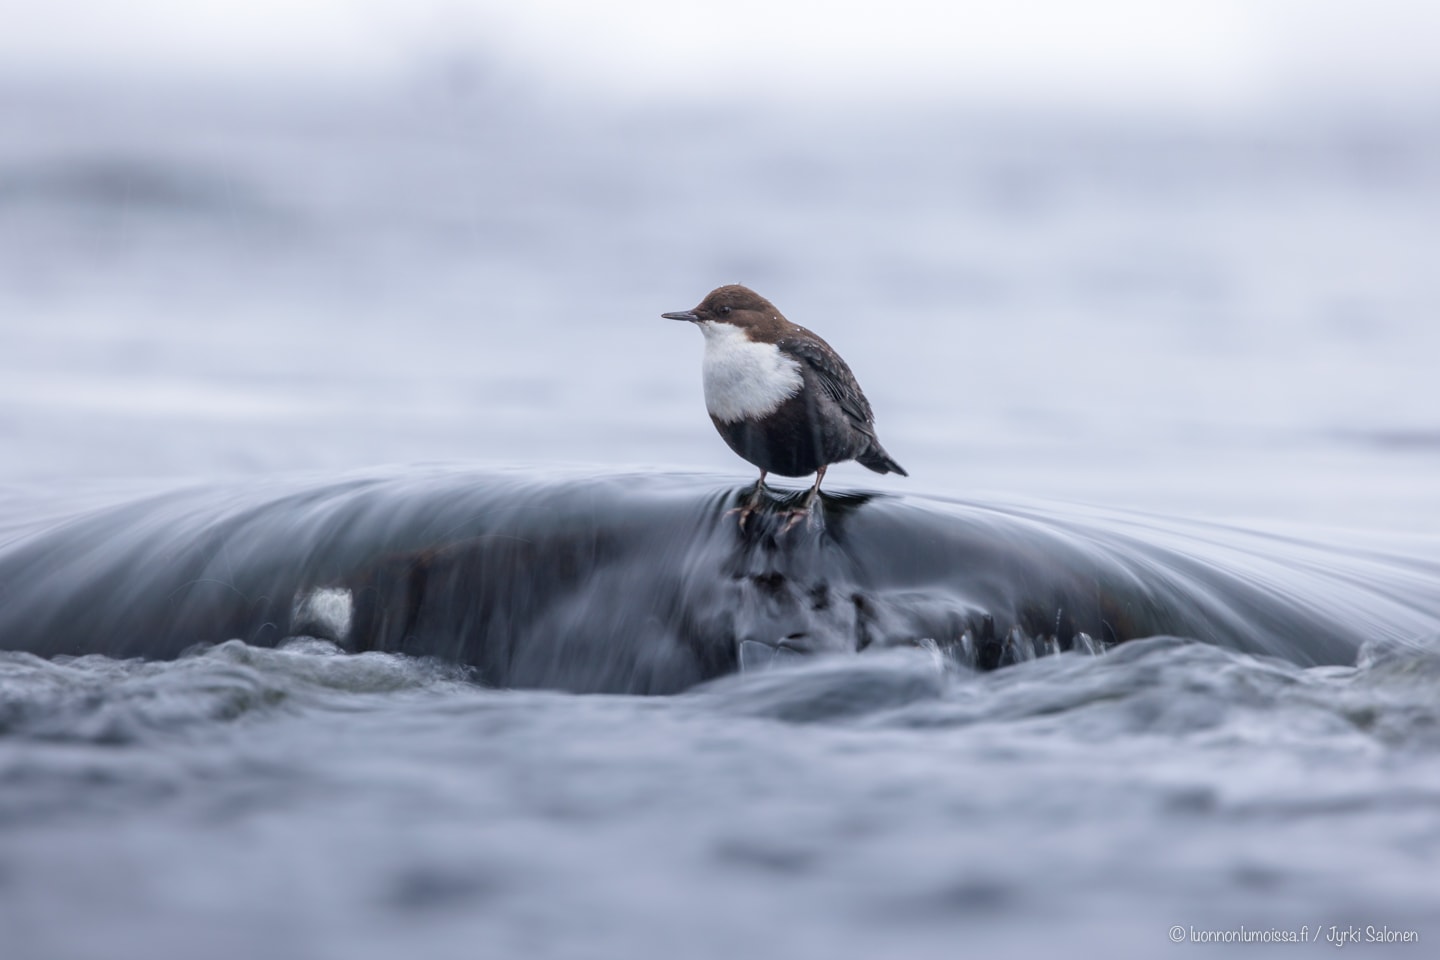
(724, 311)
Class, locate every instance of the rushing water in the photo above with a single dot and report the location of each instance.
(315, 641)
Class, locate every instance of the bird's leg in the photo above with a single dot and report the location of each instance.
(804, 511)
(753, 503)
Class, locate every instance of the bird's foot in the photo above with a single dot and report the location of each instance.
(746, 512)
(806, 513)
(752, 504)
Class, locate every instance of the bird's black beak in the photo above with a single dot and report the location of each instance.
(681, 315)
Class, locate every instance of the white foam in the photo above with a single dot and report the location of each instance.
(328, 607)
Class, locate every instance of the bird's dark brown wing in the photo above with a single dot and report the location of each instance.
(834, 377)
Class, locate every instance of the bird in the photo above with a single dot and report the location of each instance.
(779, 395)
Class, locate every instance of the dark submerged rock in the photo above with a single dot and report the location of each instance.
(624, 584)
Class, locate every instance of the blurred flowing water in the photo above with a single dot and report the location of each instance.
(366, 585)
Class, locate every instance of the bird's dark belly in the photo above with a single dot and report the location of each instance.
(793, 441)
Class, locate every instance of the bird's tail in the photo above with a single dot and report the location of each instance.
(875, 458)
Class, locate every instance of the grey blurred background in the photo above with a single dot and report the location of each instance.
(1175, 257)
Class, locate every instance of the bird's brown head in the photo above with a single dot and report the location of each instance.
(738, 306)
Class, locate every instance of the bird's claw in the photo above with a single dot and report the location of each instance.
(794, 516)
(745, 513)
(805, 513)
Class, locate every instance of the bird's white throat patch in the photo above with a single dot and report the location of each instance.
(745, 379)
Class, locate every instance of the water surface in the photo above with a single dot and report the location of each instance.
(366, 585)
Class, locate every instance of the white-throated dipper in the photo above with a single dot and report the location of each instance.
(779, 395)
